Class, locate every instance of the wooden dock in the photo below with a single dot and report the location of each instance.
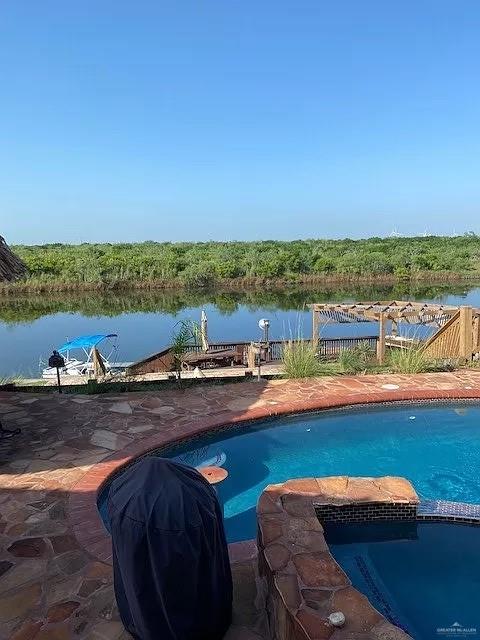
(271, 353)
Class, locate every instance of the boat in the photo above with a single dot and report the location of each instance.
(88, 352)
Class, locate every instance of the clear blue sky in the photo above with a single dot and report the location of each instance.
(228, 119)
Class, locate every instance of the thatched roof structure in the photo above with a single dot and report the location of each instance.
(11, 267)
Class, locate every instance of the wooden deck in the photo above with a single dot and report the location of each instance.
(272, 352)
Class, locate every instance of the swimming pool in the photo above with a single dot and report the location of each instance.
(435, 446)
(423, 577)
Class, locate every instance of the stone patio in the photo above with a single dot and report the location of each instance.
(55, 576)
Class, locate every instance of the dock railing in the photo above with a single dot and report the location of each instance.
(328, 348)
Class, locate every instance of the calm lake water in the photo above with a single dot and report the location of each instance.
(32, 326)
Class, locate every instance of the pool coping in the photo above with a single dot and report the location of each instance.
(304, 582)
(83, 515)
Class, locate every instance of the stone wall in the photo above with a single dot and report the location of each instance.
(303, 582)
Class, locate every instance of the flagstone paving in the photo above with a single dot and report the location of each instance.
(55, 573)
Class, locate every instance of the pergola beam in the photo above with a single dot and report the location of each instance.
(422, 313)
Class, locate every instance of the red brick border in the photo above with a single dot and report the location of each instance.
(83, 515)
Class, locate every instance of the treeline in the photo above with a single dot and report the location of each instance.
(203, 264)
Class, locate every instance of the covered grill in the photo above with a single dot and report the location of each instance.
(171, 567)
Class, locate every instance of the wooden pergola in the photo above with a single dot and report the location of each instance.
(395, 311)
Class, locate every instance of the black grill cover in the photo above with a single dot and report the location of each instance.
(171, 569)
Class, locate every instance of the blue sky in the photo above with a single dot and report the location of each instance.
(197, 120)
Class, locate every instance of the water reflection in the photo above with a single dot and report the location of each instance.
(31, 326)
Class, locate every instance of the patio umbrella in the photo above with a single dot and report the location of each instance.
(11, 267)
(203, 330)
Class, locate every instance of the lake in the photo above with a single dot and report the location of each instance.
(32, 326)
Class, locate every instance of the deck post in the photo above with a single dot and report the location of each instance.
(466, 333)
(381, 338)
(315, 327)
(251, 356)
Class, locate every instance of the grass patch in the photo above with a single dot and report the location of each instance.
(410, 360)
(13, 379)
(357, 359)
(300, 360)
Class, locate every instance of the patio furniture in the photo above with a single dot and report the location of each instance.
(211, 359)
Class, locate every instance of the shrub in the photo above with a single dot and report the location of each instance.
(409, 360)
(300, 360)
(199, 275)
(356, 359)
(185, 333)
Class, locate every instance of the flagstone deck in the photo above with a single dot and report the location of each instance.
(55, 576)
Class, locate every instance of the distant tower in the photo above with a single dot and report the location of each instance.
(394, 233)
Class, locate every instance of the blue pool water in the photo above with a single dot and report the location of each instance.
(423, 577)
(435, 446)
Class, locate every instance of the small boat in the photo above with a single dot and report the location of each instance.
(84, 364)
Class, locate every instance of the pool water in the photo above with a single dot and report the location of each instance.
(423, 577)
(435, 446)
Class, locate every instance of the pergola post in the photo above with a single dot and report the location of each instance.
(394, 328)
(315, 326)
(382, 327)
(466, 333)
(476, 334)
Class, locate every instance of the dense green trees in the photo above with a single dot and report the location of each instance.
(203, 264)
